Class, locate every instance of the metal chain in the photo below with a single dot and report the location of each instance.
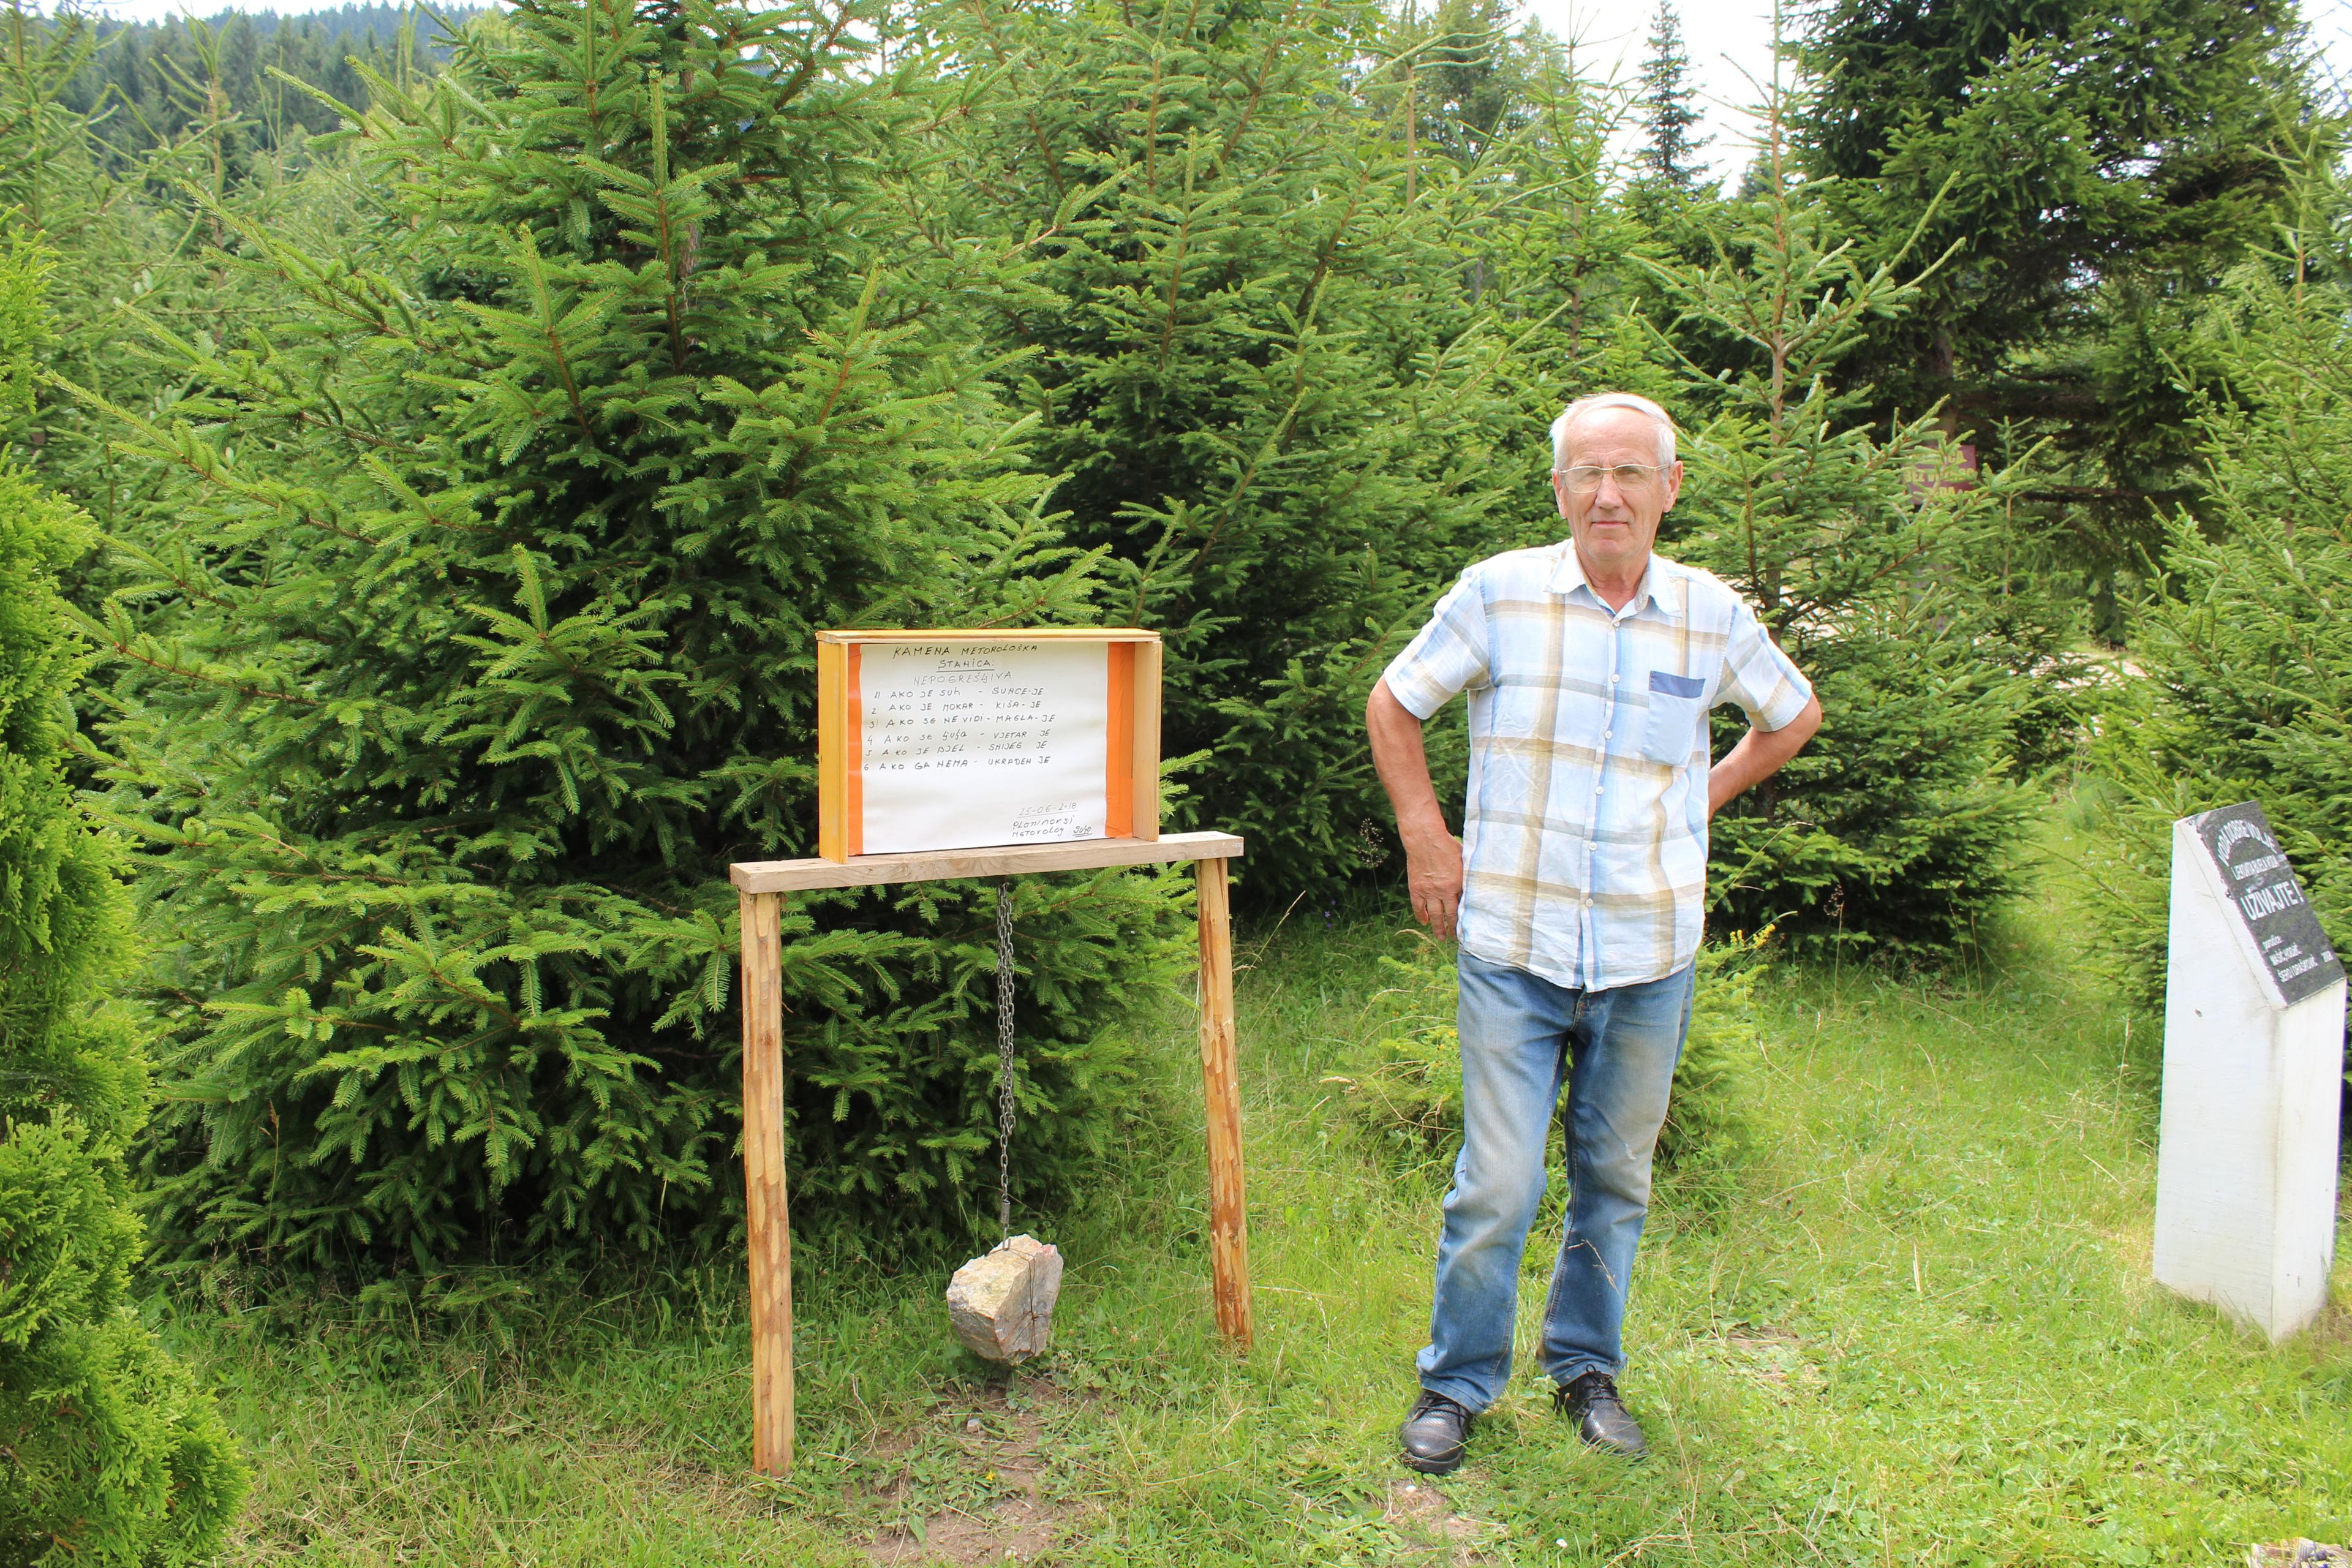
(1004, 1103)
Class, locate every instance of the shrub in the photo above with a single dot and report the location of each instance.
(474, 638)
(111, 1454)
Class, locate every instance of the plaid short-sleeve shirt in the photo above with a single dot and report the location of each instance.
(1584, 833)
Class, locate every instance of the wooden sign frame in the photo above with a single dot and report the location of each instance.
(1132, 784)
(762, 887)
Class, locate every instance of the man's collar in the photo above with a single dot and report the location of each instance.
(1661, 589)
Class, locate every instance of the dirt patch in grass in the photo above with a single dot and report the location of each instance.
(998, 1510)
(1765, 1353)
(1424, 1518)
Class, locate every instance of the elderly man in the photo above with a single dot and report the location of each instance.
(1576, 889)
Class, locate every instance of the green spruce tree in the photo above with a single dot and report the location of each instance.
(1458, 77)
(1256, 359)
(1564, 238)
(111, 1453)
(475, 638)
(2241, 657)
(1877, 562)
(122, 233)
(1669, 158)
(2101, 168)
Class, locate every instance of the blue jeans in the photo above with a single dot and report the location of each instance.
(1518, 1032)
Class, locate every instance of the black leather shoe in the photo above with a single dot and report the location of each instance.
(1432, 1434)
(1591, 1402)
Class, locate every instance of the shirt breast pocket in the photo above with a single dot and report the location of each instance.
(1671, 736)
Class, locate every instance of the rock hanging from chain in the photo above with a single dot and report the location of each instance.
(1002, 1302)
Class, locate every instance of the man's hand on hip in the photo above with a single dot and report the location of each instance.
(1432, 871)
(1760, 754)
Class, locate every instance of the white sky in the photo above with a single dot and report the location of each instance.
(1724, 36)
(1727, 37)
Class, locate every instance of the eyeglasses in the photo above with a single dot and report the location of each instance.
(1585, 477)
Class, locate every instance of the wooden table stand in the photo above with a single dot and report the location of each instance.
(762, 887)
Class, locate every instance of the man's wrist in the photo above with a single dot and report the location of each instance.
(1424, 835)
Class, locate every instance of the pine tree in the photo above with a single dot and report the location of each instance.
(1459, 75)
(119, 231)
(112, 1454)
(2102, 169)
(476, 639)
(2245, 649)
(1877, 564)
(1564, 239)
(1257, 360)
(1669, 158)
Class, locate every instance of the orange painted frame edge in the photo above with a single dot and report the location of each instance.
(1119, 743)
(832, 777)
(853, 751)
(1143, 773)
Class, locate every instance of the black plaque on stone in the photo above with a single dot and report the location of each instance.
(2268, 899)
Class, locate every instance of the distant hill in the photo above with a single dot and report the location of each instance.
(150, 84)
(378, 23)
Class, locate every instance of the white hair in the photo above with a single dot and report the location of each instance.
(1600, 400)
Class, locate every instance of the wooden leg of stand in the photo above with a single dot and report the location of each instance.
(1228, 1212)
(764, 1217)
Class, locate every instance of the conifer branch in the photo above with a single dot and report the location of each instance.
(535, 270)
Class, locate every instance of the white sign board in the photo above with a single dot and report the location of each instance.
(2253, 1068)
(970, 740)
(967, 746)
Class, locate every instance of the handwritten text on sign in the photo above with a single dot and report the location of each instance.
(2267, 897)
(960, 746)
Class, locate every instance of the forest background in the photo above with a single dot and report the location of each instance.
(434, 442)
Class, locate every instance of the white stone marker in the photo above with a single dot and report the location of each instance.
(2253, 1070)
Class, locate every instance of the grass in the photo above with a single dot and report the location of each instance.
(1926, 1335)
